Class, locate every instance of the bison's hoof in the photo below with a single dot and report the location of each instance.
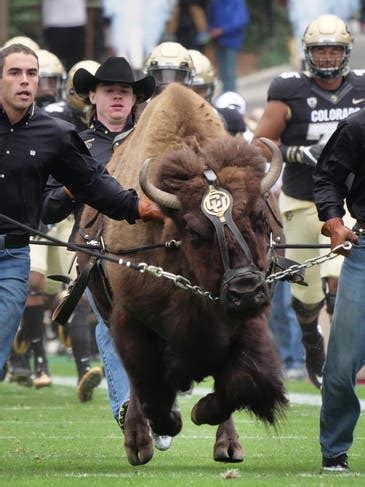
(228, 450)
(139, 453)
(208, 411)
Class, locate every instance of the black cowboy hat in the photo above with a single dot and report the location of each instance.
(114, 70)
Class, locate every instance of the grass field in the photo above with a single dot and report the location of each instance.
(48, 438)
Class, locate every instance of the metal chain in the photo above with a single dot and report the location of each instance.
(184, 283)
(179, 281)
(294, 269)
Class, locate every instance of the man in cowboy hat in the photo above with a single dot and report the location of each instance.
(115, 94)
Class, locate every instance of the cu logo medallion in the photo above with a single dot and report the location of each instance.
(216, 202)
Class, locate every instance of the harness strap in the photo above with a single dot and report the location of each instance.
(62, 313)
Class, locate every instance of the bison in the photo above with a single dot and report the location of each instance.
(212, 321)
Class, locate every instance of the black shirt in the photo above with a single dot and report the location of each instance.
(99, 141)
(340, 171)
(40, 145)
(314, 116)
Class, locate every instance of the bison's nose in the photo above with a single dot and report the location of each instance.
(245, 290)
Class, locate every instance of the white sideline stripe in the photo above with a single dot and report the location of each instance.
(294, 397)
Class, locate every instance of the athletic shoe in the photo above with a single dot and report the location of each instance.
(88, 382)
(122, 414)
(42, 379)
(161, 442)
(335, 464)
(20, 371)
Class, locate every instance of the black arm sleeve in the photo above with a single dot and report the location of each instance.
(336, 163)
(56, 205)
(90, 182)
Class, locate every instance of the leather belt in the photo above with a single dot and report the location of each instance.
(13, 241)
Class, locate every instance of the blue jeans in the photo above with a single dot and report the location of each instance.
(227, 61)
(345, 357)
(285, 327)
(115, 373)
(14, 275)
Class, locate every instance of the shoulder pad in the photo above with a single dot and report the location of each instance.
(358, 72)
(290, 74)
(57, 107)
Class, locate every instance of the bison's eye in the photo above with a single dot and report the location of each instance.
(193, 233)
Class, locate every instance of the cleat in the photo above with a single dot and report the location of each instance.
(88, 382)
(19, 370)
(42, 379)
(122, 414)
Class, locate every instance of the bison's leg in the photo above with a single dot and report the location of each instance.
(250, 379)
(138, 442)
(209, 410)
(227, 448)
(142, 354)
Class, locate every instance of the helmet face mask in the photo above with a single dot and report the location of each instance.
(51, 77)
(327, 62)
(327, 44)
(204, 90)
(204, 76)
(165, 76)
(169, 62)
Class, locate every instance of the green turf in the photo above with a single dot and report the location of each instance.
(48, 438)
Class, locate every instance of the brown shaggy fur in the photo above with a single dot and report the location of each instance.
(169, 337)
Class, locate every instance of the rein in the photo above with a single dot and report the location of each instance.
(86, 249)
(179, 281)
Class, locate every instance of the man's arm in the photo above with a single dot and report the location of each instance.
(273, 124)
(89, 182)
(57, 204)
(330, 189)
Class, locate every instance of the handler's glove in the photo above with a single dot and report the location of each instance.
(148, 210)
(302, 154)
(339, 233)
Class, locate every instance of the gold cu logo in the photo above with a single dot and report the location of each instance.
(216, 203)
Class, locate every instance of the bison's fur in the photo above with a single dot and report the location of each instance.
(169, 337)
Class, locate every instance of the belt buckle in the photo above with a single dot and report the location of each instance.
(2, 242)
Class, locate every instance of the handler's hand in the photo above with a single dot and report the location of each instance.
(148, 210)
(339, 233)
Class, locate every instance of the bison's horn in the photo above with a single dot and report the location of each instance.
(276, 164)
(162, 198)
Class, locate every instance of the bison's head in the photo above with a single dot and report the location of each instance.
(224, 252)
